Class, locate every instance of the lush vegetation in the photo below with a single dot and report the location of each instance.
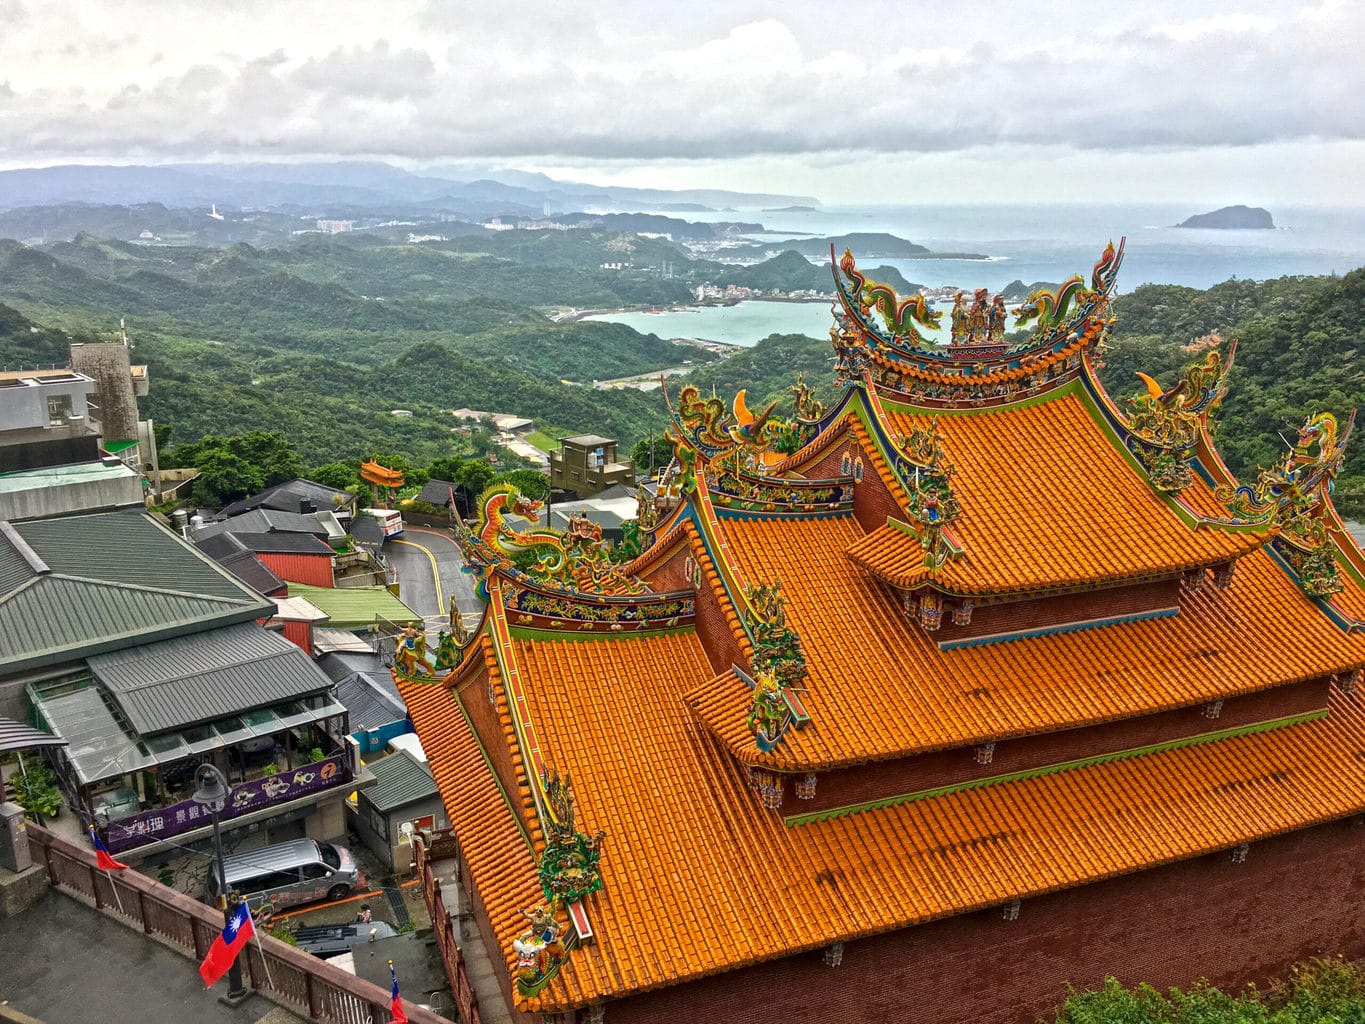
(321, 340)
(1318, 992)
(1300, 348)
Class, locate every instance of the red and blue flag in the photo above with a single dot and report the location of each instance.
(221, 955)
(104, 860)
(396, 1013)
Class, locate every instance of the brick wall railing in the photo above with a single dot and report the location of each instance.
(283, 974)
(442, 847)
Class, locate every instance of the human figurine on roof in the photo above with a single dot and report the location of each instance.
(959, 316)
(976, 319)
(995, 319)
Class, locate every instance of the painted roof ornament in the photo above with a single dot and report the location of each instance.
(540, 950)
(927, 475)
(573, 559)
(1164, 426)
(569, 865)
(705, 424)
(808, 408)
(770, 716)
(900, 315)
(778, 664)
(1293, 496)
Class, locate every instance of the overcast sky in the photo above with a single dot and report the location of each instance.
(1258, 101)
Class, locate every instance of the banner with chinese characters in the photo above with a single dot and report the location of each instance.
(272, 790)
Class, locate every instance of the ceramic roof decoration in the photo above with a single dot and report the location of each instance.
(976, 613)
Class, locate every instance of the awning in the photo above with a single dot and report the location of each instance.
(17, 736)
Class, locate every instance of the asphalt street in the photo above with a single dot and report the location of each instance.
(430, 570)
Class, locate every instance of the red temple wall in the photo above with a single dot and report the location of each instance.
(866, 782)
(1041, 612)
(1296, 896)
(488, 726)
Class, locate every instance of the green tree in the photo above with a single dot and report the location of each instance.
(533, 484)
(269, 452)
(344, 476)
(224, 476)
(446, 467)
(475, 476)
(652, 452)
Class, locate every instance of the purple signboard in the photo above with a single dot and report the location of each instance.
(177, 819)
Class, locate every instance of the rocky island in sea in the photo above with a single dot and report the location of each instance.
(1235, 218)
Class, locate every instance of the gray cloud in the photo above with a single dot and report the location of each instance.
(736, 81)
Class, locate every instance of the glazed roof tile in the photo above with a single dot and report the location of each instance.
(681, 821)
(869, 664)
(1048, 502)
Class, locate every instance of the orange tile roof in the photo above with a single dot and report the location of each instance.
(691, 863)
(1048, 502)
(870, 666)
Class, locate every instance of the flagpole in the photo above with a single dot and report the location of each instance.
(261, 949)
(109, 875)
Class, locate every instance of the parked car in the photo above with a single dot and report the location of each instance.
(287, 874)
(327, 940)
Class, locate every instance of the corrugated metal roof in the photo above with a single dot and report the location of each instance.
(285, 543)
(356, 607)
(286, 497)
(253, 572)
(205, 676)
(402, 780)
(14, 567)
(17, 736)
(370, 706)
(264, 520)
(127, 547)
(55, 617)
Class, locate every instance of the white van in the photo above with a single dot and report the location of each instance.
(300, 871)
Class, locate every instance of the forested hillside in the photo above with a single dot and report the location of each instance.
(323, 339)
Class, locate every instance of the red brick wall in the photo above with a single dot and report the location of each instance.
(315, 570)
(1296, 896)
(1085, 606)
(928, 771)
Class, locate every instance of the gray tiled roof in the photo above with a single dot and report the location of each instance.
(370, 706)
(252, 571)
(402, 780)
(286, 497)
(263, 520)
(284, 543)
(104, 581)
(436, 492)
(125, 547)
(205, 676)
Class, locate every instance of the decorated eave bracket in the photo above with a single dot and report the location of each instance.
(778, 667)
(1293, 497)
(1162, 427)
(926, 475)
(568, 872)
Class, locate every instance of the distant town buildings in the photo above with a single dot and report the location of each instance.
(335, 227)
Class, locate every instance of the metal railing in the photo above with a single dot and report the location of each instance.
(283, 974)
(443, 847)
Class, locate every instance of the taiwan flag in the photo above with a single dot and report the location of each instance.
(396, 1001)
(104, 860)
(236, 934)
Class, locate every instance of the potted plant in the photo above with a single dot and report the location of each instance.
(36, 793)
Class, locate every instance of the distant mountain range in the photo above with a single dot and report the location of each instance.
(333, 188)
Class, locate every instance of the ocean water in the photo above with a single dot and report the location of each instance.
(1030, 243)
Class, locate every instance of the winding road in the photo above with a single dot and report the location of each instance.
(430, 571)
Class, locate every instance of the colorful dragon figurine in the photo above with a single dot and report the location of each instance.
(901, 315)
(1049, 308)
(1293, 495)
(704, 424)
(575, 559)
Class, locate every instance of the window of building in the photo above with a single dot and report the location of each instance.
(58, 410)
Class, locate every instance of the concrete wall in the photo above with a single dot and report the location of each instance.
(25, 405)
(385, 844)
(50, 499)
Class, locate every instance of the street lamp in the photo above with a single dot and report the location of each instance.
(211, 791)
